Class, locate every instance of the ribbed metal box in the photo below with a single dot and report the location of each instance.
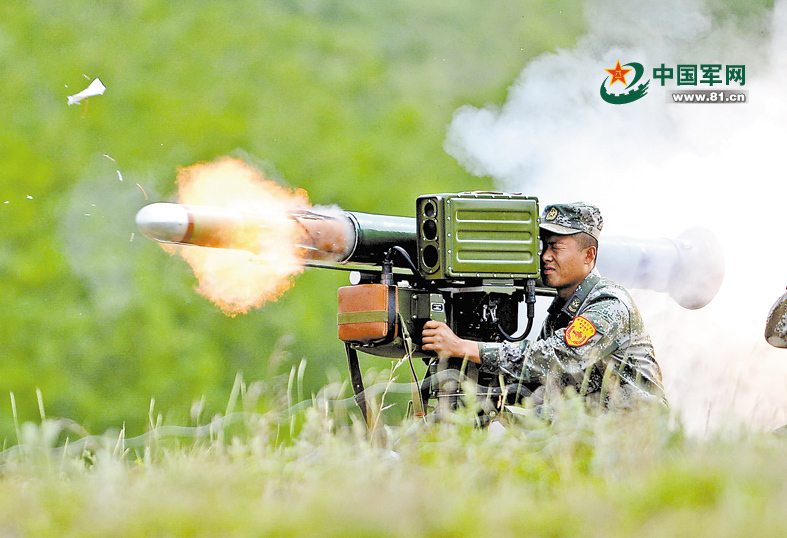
(477, 235)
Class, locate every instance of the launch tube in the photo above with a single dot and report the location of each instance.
(689, 268)
(375, 234)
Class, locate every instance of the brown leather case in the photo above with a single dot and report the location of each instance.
(364, 313)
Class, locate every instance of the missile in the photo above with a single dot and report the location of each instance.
(325, 236)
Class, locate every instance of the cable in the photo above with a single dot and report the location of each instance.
(530, 300)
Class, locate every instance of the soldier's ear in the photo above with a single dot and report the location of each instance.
(590, 254)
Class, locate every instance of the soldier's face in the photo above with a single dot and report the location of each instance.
(564, 263)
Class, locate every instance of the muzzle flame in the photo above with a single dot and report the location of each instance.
(264, 259)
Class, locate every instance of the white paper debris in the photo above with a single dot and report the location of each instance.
(95, 88)
(120, 177)
(29, 197)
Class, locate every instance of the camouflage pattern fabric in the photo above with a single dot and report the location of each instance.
(596, 342)
(776, 324)
(567, 219)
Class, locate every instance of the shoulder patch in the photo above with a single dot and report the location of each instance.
(579, 332)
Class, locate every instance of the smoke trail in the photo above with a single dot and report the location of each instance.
(655, 169)
(98, 238)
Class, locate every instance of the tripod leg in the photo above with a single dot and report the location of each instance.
(357, 382)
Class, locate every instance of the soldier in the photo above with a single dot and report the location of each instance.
(776, 324)
(593, 337)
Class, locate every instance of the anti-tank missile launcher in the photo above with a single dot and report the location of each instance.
(466, 259)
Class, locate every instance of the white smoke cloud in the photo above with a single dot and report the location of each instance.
(655, 169)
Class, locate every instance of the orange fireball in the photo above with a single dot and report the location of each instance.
(238, 280)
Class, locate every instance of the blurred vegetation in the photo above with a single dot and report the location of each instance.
(346, 100)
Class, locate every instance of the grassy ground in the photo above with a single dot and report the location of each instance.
(308, 471)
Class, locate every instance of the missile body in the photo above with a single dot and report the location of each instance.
(192, 225)
(328, 235)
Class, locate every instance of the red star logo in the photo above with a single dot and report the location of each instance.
(618, 74)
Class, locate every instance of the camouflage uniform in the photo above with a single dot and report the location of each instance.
(776, 325)
(595, 341)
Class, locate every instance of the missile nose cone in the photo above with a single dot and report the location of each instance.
(163, 222)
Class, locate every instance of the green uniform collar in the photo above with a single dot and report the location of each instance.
(581, 293)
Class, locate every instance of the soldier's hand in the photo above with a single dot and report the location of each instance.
(438, 337)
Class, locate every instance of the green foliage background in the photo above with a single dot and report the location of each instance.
(348, 100)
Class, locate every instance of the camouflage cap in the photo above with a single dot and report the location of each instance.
(569, 219)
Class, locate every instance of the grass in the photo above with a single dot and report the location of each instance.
(312, 469)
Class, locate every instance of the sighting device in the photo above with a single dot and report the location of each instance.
(472, 259)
